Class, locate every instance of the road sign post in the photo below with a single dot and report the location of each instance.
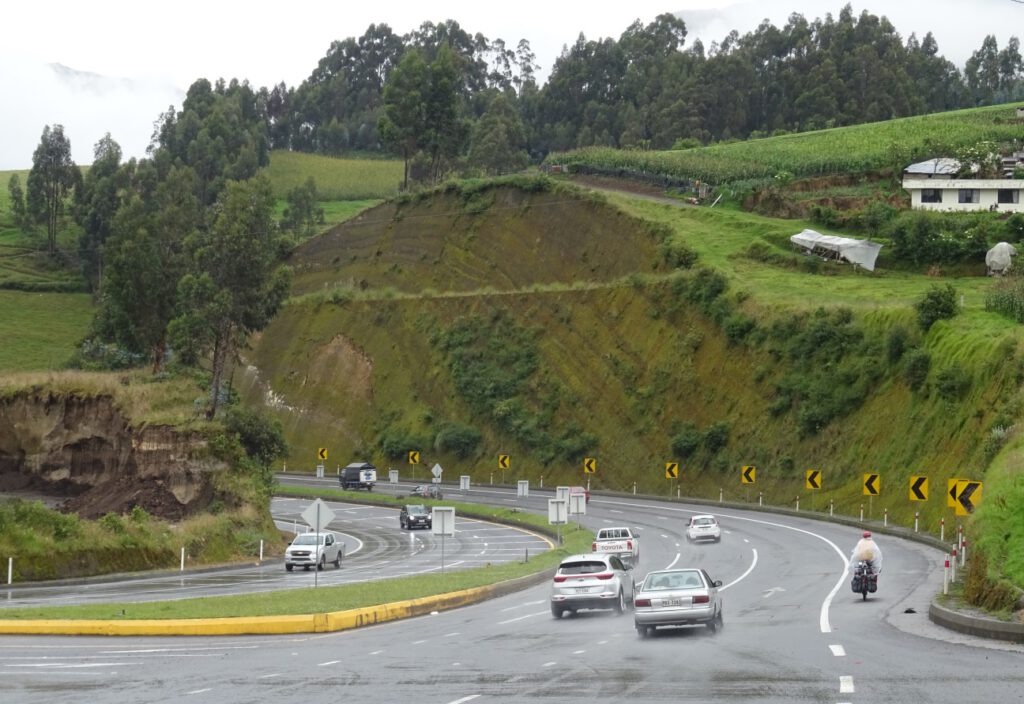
(577, 506)
(443, 523)
(558, 514)
(464, 482)
(318, 516)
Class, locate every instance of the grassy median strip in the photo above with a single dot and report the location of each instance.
(339, 598)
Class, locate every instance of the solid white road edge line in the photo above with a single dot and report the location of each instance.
(674, 561)
(750, 569)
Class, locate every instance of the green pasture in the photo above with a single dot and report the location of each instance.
(41, 330)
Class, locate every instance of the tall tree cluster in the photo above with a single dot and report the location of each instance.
(182, 245)
(646, 89)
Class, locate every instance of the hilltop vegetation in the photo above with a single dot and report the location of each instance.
(857, 149)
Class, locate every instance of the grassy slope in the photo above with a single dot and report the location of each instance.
(853, 149)
(336, 179)
(619, 351)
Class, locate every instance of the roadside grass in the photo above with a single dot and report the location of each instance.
(336, 179)
(339, 598)
(41, 330)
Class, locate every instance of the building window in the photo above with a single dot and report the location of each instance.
(1008, 195)
(970, 195)
(931, 195)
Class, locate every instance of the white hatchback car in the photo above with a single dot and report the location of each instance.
(703, 527)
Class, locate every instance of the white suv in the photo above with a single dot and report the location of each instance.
(304, 551)
(591, 581)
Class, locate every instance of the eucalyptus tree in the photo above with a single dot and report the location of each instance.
(235, 284)
(51, 180)
(96, 204)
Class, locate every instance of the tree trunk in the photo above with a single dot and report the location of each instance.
(158, 353)
(220, 353)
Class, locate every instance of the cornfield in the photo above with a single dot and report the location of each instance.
(842, 150)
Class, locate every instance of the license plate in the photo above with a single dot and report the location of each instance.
(672, 602)
(582, 590)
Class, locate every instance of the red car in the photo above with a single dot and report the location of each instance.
(580, 490)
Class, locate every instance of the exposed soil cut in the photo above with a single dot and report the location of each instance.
(83, 453)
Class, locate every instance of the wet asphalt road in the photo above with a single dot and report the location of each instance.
(793, 633)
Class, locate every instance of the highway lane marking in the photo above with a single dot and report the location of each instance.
(520, 618)
(846, 684)
(837, 650)
(612, 510)
(376, 652)
(662, 518)
(578, 652)
(419, 642)
(449, 635)
(550, 664)
(674, 561)
(470, 698)
(267, 677)
(664, 536)
(823, 620)
(329, 662)
(743, 576)
(68, 666)
(606, 520)
(529, 603)
(200, 691)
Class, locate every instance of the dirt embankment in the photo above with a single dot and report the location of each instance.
(83, 451)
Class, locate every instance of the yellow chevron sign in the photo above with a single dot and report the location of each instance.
(590, 465)
(748, 474)
(414, 456)
(968, 496)
(321, 454)
(813, 479)
(504, 461)
(872, 485)
(918, 489)
(671, 470)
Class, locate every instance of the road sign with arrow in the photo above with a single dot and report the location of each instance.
(872, 485)
(813, 480)
(748, 474)
(968, 496)
(918, 489)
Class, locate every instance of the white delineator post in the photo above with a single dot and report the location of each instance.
(797, 503)
(862, 513)
(952, 574)
(10, 569)
(831, 506)
(261, 550)
(963, 552)
(760, 498)
(885, 518)
(915, 521)
(720, 495)
(942, 530)
(183, 559)
(945, 577)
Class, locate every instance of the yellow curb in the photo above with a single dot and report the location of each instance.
(254, 625)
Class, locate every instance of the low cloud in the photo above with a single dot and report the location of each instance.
(88, 105)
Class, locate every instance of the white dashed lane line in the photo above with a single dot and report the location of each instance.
(846, 684)
(837, 650)
(550, 664)
(329, 662)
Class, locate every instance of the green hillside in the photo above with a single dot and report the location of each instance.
(842, 150)
(459, 325)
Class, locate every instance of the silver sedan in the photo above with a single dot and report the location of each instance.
(682, 597)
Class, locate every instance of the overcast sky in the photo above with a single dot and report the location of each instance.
(145, 54)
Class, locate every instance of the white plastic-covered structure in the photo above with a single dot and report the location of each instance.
(999, 258)
(862, 253)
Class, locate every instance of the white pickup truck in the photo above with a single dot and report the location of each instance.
(621, 542)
